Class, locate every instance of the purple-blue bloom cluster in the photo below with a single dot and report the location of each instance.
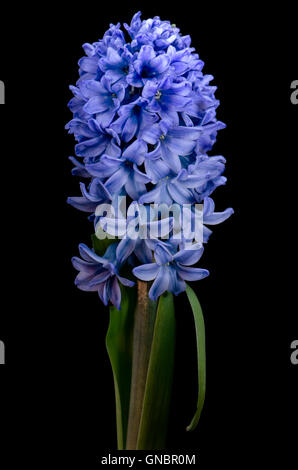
(144, 118)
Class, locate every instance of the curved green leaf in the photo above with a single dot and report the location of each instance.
(119, 347)
(153, 425)
(201, 351)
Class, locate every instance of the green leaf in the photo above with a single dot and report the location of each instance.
(100, 245)
(119, 347)
(153, 425)
(201, 352)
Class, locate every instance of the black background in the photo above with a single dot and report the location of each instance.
(57, 398)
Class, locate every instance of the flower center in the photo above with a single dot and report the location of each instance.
(114, 95)
(162, 137)
(158, 95)
(128, 164)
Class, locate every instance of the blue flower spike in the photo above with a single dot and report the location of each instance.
(144, 119)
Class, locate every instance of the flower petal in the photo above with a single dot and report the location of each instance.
(217, 217)
(114, 292)
(191, 256)
(162, 254)
(124, 249)
(146, 272)
(161, 283)
(191, 274)
(125, 282)
(89, 255)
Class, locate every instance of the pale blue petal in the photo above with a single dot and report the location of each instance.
(146, 272)
(161, 283)
(162, 254)
(191, 274)
(124, 249)
(191, 256)
(217, 217)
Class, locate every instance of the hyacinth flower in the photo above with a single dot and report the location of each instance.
(100, 274)
(134, 119)
(167, 97)
(144, 120)
(169, 271)
(103, 99)
(97, 194)
(115, 66)
(123, 171)
(148, 64)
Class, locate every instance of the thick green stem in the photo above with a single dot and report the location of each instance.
(142, 340)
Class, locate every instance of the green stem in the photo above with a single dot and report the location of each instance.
(142, 340)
